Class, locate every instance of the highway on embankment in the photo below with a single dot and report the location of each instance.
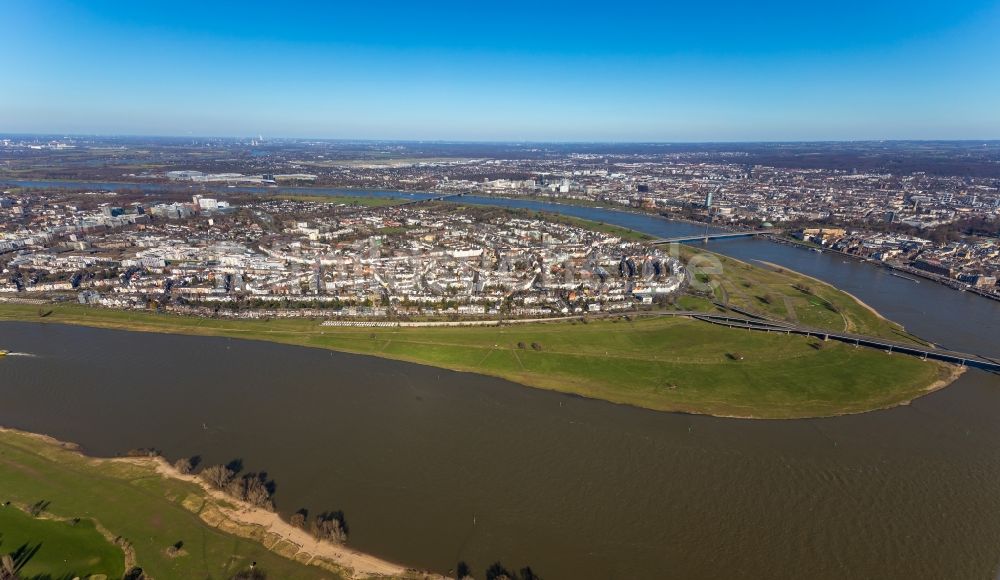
(752, 321)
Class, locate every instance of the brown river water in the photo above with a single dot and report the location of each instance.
(432, 467)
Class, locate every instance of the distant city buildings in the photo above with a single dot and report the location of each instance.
(939, 224)
(207, 256)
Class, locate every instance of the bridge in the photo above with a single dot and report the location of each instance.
(753, 322)
(705, 237)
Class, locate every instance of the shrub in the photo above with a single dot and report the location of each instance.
(143, 452)
(184, 465)
(462, 571)
(497, 572)
(299, 518)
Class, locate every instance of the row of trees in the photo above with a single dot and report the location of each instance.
(253, 488)
(256, 489)
(496, 571)
(330, 526)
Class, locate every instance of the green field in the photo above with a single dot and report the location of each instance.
(781, 293)
(128, 500)
(60, 549)
(662, 363)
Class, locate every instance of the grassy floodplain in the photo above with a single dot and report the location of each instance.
(128, 499)
(661, 363)
(784, 294)
(58, 548)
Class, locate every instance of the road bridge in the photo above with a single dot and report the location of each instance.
(889, 346)
(717, 236)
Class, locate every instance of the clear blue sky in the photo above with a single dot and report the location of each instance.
(565, 71)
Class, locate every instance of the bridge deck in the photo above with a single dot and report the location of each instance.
(717, 236)
(769, 325)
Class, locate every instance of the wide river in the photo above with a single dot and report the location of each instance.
(432, 467)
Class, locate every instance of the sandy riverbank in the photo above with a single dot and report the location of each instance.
(954, 372)
(241, 519)
(302, 546)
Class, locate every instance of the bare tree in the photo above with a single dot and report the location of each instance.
(257, 490)
(183, 465)
(218, 476)
(462, 572)
(330, 526)
(498, 572)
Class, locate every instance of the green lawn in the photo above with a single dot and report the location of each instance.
(788, 295)
(663, 363)
(58, 548)
(128, 500)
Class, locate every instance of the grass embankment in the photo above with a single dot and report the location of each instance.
(669, 364)
(788, 295)
(128, 499)
(56, 548)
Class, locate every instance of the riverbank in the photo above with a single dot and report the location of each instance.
(860, 302)
(664, 363)
(941, 280)
(288, 540)
(778, 292)
(147, 502)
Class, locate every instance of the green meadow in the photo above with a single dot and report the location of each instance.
(129, 500)
(57, 548)
(663, 363)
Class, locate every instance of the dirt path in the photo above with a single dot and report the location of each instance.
(790, 308)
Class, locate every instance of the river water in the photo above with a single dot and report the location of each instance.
(432, 467)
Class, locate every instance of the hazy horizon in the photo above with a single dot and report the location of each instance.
(265, 138)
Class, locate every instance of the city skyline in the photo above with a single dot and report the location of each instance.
(550, 74)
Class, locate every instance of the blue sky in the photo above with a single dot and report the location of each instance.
(540, 71)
